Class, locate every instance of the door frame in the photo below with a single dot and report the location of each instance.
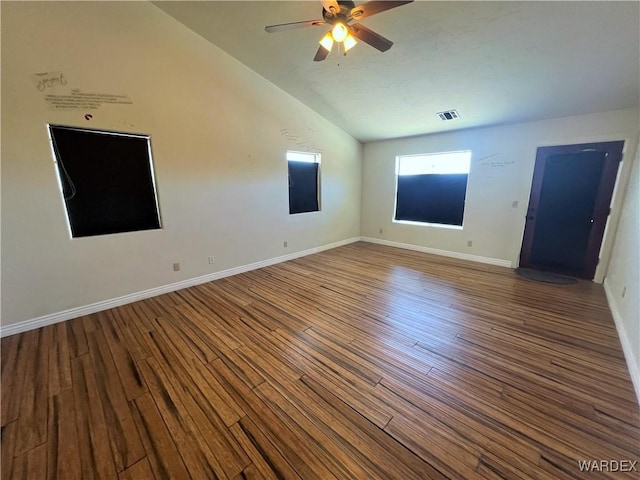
(602, 208)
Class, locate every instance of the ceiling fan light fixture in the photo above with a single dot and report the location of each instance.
(338, 14)
(327, 41)
(349, 43)
(339, 32)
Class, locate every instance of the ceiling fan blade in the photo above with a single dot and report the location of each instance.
(321, 54)
(369, 36)
(375, 6)
(291, 26)
(331, 6)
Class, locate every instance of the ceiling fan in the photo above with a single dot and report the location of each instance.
(338, 14)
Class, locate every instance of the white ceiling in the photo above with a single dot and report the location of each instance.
(495, 62)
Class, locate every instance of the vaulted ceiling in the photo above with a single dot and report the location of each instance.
(494, 62)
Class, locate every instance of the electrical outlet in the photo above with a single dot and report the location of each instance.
(284, 244)
(469, 243)
(514, 204)
(212, 260)
(176, 267)
(380, 231)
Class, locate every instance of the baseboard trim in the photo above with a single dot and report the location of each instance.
(634, 368)
(50, 319)
(445, 253)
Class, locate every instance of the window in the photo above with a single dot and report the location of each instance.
(431, 188)
(304, 182)
(106, 180)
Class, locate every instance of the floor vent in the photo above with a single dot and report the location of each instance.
(448, 115)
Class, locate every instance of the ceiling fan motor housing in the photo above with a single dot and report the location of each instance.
(345, 9)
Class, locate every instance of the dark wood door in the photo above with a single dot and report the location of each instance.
(568, 207)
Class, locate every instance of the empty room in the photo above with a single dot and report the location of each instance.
(320, 240)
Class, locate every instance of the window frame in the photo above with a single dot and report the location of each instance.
(62, 177)
(312, 158)
(431, 224)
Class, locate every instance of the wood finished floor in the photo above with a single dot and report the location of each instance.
(361, 362)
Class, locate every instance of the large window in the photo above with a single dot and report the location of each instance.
(106, 179)
(431, 188)
(304, 182)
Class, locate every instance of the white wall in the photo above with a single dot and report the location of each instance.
(503, 159)
(219, 135)
(623, 278)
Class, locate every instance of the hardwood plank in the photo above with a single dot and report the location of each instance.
(194, 339)
(193, 376)
(217, 455)
(32, 420)
(432, 445)
(198, 463)
(59, 360)
(361, 439)
(265, 457)
(315, 455)
(62, 443)
(122, 357)
(235, 290)
(268, 363)
(162, 453)
(342, 355)
(617, 436)
(146, 314)
(419, 401)
(31, 464)
(556, 467)
(540, 361)
(138, 471)
(354, 391)
(532, 426)
(525, 377)
(8, 436)
(491, 469)
(290, 446)
(329, 453)
(132, 327)
(350, 444)
(77, 337)
(126, 445)
(250, 472)
(14, 361)
(273, 317)
(207, 324)
(241, 368)
(93, 437)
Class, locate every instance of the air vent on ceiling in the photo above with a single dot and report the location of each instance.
(448, 115)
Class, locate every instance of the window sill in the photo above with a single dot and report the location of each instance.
(424, 224)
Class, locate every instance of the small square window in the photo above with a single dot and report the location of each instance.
(304, 182)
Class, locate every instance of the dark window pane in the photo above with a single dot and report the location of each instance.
(431, 198)
(107, 181)
(303, 187)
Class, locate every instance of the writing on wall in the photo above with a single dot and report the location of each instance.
(60, 96)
